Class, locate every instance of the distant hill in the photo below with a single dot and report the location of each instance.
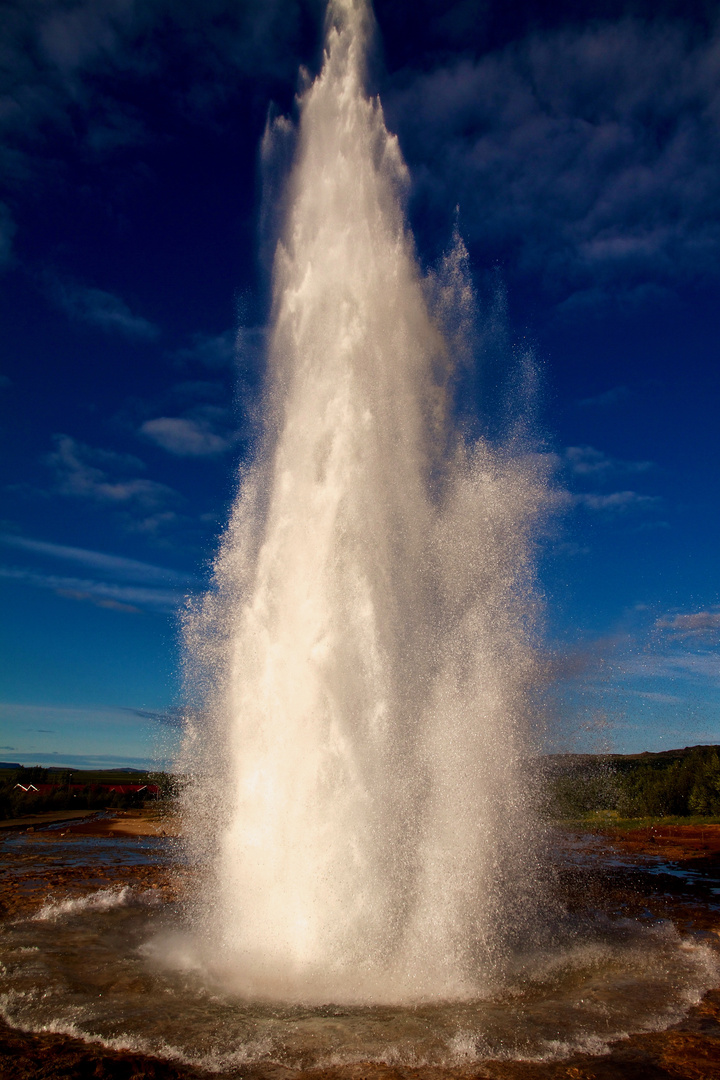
(97, 772)
(647, 757)
(9, 765)
(666, 783)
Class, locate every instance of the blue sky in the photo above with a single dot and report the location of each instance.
(136, 224)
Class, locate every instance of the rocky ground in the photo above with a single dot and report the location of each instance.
(634, 882)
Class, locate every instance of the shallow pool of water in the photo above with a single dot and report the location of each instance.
(105, 966)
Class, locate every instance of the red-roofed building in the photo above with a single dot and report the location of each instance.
(149, 791)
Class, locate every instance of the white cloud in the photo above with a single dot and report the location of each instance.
(691, 624)
(102, 309)
(594, 150)
(701, 666)
(82, 472)
(127, 598)
(211, 350)
(587, 461)
(607, 399)
(185, 437)
(54, 50)
(116, 566)
(616, 501)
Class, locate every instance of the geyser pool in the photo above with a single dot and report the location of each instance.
(115, 966)
(367, 656)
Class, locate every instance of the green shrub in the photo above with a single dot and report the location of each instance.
(663, 787)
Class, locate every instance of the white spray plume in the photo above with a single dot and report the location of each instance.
(367, 661)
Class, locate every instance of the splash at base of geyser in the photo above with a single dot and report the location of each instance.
(366, 661)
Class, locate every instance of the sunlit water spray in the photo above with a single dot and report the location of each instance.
(369, 646)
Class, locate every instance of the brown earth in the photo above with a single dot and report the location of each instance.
(49, 817)
(675, 842)
(689, 1050)
(130, 823)
(146, 822)
(30, 877)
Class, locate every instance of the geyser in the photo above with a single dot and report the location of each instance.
(365, 665)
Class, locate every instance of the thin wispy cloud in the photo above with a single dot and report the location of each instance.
(53, 53)
(589, 467)
(119, 567)
(208, 416)
(38, 712)
(185, 437)
(85, 735)
(210, 350)
(196, 416)
(616, 395)
(690, 624)
(651, 695)
(704, 666)
(587, 461)
(621, 690)
(63, 759)
(128, 598)
(616, 502)
(102, 309)
(190, 391)
(120, 584)
(83, 472)
(667, 662)
(174, 717)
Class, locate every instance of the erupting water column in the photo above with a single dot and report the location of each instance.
(366, 660)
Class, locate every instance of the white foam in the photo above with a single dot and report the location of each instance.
(688, 969)
(212, 1060)
(103, 900)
